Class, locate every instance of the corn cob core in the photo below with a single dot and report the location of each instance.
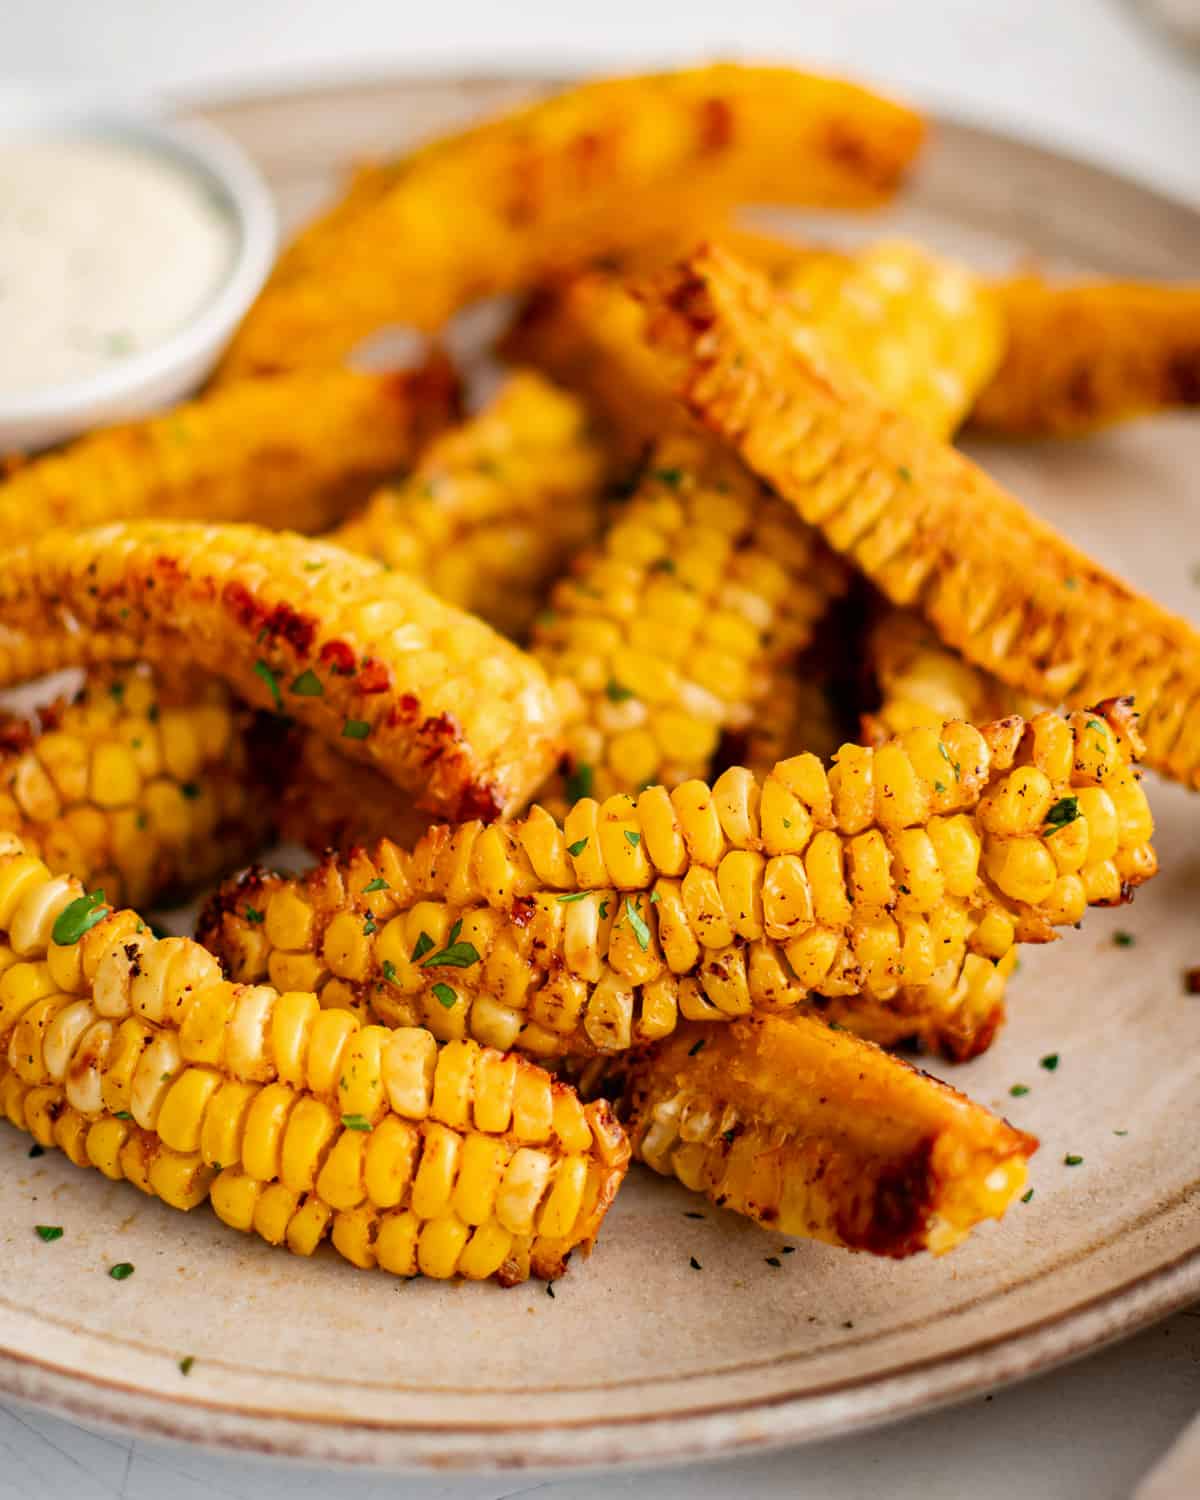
(877, 879)
(431, 697)
(495, 508)
(811, 1131)
(927, 526)
(144, 785)
(563, 182)
(685, 618)
(296, 453)
(133, 1055)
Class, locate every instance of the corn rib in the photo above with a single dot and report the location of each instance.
(297, 452)
(427, 695)
(132, 1054)
(927, 526)
(810, 1131)
(879, 879)
(561, 182)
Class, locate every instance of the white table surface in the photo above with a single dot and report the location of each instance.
(1083, 74)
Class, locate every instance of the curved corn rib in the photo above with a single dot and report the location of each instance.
(562, 182)
(812, 1132)
(877, 879)
(496, 506)
(428, 695)
(1083, 356)
(145, 786)
(133, 1055)
(927, 526)
(297, 452)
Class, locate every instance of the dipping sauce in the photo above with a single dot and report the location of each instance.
(106, 250)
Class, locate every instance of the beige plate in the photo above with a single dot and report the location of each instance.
(640, 1357)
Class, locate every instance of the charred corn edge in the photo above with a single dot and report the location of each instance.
(430, 696)
(587, 171)
(812, 1131)
(881, 878)
(928, 527)
(132, 1053)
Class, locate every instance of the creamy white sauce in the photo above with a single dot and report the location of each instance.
(106, 250)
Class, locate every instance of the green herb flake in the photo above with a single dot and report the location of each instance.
(389, 971)
(1071, 583)
(655, 898)
(1120, 1132)
(603, 910)
(307, 685)
(370, 927)
(640, 930)
(35, 1151)
(454, 955)
(122, 1271)
(190, 791)
(577, 848)
(253, 915)
(571, 896)
(939, 786)
(663, 565)
(1071, 1160)
(313, 567)
(186, 1363)
(356, 1122)
(905, 473)
(48, 1232)
(579, 782)
(117, 691)
(262, 670)
(1123, 940)
(1064, 811)
(1049, 1062)
(904, 890)
(672, 478)
(1018, 1090)
(632, 838)
(122, 1114)
(1026, 1197)
(445, 996)
(378, 884)
(615, 692)
(355, 729)
(424, 945)
(79, 917)
(694, 1263)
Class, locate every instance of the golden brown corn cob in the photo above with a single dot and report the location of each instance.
(927, 526)
(875, 879)
(1085, 355)
(143, 785)
(429, 696)
(812, 1132)
(922, 331)
(495, 508)
(682, 623)
(562, 181)
(297, 452)
(922, 682)
(132, 1054)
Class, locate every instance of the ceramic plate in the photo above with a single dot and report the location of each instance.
(638, 1356)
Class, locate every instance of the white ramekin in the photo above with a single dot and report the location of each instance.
(158, 376)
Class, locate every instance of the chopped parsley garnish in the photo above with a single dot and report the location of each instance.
(370, 926)
(663, 565)
(1025, 1197)
(455, 955)
(79, 917)
(1064, 811)
(122, 1114)
(190, 790)
(117, 690)
(252, 914)
(640, 930)
(694, 1263)
(904, 890)
(939, 786)
(378, 884)
(905, 473)
(1123, 939)
(616, 692)
(1050, 1062)
(1071, 583)
(122, 1271)
(444, 995)
(389, 971)
(571, 896)
(672, 478)
(577, 848)
(48, 1232)
(633, 838)
(1120, 1132)
(311, 567)
(579, 782)
(355, 729)
(953, 764)
(308, 685)
(603, 910)
(356, 1122)
(188, 1360)
(262, 670)
(1018, 1089)
(1071, 1160)
(424, 945)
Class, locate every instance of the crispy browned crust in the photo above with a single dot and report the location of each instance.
(430, 697)
(1082, 356)
(926, 525)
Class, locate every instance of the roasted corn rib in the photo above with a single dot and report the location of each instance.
(132, 1054)
(496, 507)
(145, 785)
(812, 1132)
(879, 879)
(927, 526)
(1084, 355)
(297, 452)
(560, 182)
(429, 696)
